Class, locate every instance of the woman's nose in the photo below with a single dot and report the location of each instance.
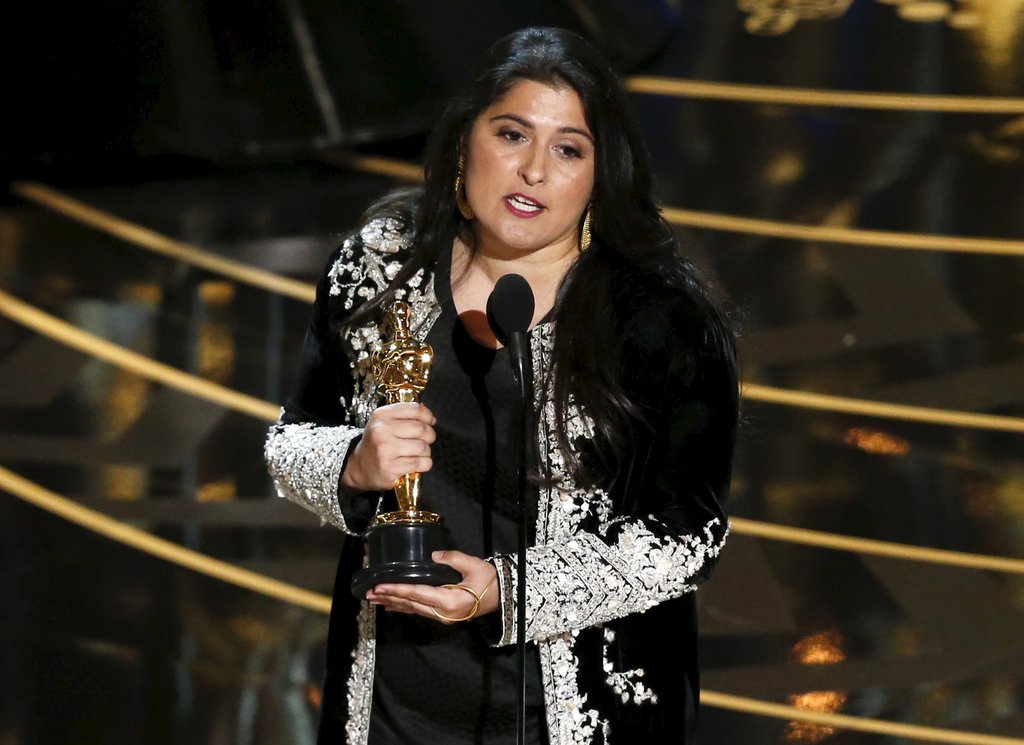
(532, 168)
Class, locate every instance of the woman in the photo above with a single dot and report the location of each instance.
(539, 169)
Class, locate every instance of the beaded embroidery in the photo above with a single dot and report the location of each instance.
(628, 683)
(305, 461)
(360, 275)
(569, 718)
(360, 681)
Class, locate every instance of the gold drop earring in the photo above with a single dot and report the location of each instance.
(460, 190)
(585, 231)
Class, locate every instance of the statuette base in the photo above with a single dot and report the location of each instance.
(399, 553)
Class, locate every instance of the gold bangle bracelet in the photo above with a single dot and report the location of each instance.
(482, 594)
(476, 604)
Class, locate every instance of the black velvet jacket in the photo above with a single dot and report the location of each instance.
(612, 569)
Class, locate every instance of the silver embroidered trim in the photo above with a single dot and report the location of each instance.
(626, 683)
(305, 462)
(360, 682)
(505, 567)
(386, 235)
(362, 272)
(569, 719)
(584, 581)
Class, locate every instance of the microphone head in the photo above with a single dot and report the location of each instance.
(510, 307)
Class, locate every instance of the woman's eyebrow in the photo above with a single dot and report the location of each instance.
(527, 125)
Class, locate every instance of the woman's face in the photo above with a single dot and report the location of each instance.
(530, 169)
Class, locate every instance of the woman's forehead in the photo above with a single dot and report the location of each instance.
(541, 103)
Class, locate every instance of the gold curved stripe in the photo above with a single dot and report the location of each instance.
(863, 407)
(852, 236)
(161, 244)
(399, 169)
(684, 88)
(835, 541)
(66, 333)
(158, 547)
(171, 552)
(845, 721)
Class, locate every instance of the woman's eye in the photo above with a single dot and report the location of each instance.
(511, 135)
(570, 152)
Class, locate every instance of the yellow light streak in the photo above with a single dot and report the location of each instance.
(871, 547)
(143, 237)
(162, 549)
(66, 333)
(786, 96)
(848, 722)
(881, 409)
(381, 166)
(888, 239)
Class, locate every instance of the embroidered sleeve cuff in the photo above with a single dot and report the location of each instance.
(306, 461)
(587, 581)
(506, 568)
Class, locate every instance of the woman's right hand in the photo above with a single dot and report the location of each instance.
(395, 441)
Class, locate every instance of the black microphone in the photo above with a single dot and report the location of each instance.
(509, 312)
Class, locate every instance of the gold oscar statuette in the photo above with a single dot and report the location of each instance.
(399, 543)
(401, 369)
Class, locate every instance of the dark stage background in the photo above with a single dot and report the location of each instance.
(849, 172)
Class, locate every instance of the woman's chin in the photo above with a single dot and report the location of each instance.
(521, 242)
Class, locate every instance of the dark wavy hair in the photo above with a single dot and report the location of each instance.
(631, 243)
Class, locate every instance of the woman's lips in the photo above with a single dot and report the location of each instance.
(521, 205)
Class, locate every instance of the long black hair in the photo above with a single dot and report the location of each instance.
(631, 243)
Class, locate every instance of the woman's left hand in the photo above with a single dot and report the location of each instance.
(455, 603)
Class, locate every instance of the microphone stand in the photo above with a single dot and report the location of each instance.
(522, 371)
(509, 312)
